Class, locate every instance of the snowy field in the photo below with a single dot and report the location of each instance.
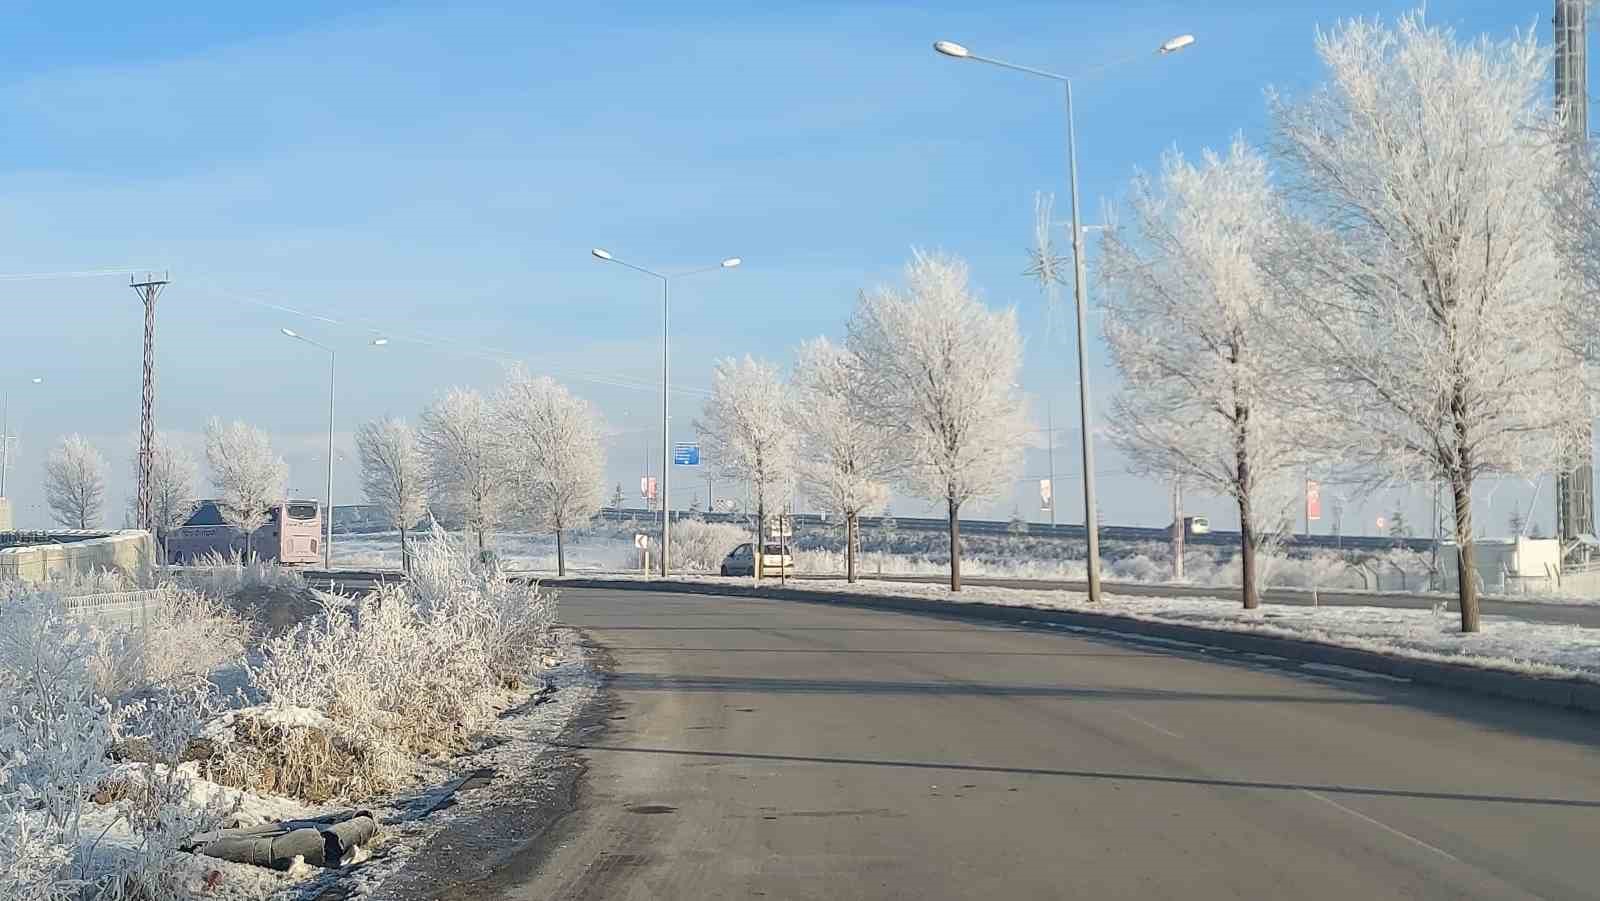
(699, 548)
(1504, 643)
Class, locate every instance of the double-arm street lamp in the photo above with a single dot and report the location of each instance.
(1091, 527)
(666, 436)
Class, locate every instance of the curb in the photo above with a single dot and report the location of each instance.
(1569, 694)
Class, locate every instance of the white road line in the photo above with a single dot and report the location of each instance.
(1145, 722)
(1384, 826)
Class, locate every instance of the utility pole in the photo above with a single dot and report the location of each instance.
(1574, 486)
(148, 286)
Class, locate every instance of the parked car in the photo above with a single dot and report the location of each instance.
(1195, 525)
(741, 561)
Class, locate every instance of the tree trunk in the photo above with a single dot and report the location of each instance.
(955, 545)
(1247, 557)
(1466, 563)
(761, 537)
(479, 530)
(405, 552)
(561, 554)
(1242, 487)
(850, 528)
(1461, 488)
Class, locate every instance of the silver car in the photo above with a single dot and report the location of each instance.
(774, 561)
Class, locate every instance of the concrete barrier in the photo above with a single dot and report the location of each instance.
(61, 555)
(1572, 694)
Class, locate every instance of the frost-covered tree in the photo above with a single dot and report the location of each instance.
(173, 473)
(1424, 274)
(247, 476)
(1190, 313)
(75, 483)
(466, 479)
(553, 454)
(749, 433)
(392, 476)
(938, 369)
(844, 454)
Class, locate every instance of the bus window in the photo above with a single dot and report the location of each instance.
(302, 511)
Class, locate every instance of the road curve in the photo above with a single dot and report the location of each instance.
(765, 748)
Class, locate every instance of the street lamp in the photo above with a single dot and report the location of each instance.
(1090, 525)
(666, 437)
(5, 433)
(327, 541)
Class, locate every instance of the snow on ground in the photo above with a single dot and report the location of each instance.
(1505, 643)
(596, 553)
(512, 748)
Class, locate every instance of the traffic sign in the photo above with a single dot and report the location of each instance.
(686, 454)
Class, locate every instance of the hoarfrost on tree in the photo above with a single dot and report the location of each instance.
(392, 476)
(248, 477)
(845, 456)
(553, 456)
(939, 369)
(749, 431)
(75, 483)
(1423, 276)
(1209, 388)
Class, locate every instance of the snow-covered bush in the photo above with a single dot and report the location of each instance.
(54, 732)
(407, 670)
(189, 635)
(699, 547)
(158, 801)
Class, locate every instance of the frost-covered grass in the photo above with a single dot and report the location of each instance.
(56, 732)
(224, 577)
(1505, 643)
(410, 670)
(190, 636)
(116, 744)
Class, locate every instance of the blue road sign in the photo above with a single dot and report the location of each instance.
(686, 454)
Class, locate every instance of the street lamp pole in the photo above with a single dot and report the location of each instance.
(1090, 523)
(5, 434)
(327, 541)
(666, 407)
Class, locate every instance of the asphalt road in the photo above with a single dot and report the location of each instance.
(1565, 614)
(763, 748)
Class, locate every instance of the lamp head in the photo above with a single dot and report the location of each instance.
(952, 49)
(1173, 45)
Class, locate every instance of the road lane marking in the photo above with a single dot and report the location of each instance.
(1384, 826)
(1147, 723)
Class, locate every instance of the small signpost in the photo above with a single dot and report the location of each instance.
(643, 542)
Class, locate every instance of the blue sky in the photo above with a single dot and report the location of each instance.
(440, 175)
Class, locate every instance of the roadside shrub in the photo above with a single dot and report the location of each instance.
(701, 546)
(189, 636)
(55, 733)
(408, 670)
(224, 577)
